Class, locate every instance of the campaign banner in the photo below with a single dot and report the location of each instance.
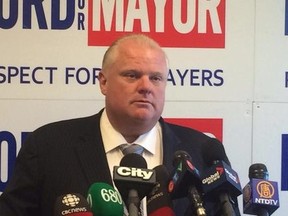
(54, 49)
(198, 24)
(227, 75)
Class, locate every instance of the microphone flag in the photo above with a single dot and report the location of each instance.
(260, 193)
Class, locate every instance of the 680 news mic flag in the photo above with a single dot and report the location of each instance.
(260, 196)
(220, 181)
(104, 200)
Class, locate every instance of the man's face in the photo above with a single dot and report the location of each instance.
(134, 85)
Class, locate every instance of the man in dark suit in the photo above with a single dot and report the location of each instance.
(68, 156)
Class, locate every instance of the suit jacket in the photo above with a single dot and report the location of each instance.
(68, 157)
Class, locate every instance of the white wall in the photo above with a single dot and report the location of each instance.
(247, 63)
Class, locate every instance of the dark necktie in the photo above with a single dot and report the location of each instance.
(131, 148)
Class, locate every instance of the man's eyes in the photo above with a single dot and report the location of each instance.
(131, 75)
(135, 75)
(156, 78)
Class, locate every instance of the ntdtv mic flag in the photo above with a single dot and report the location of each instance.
(260, 194)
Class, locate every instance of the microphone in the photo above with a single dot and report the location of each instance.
(72, 204)
(133, 181)
(220, 180)
(104, 200)
(260, 196)
(186, 182)
(159, 201)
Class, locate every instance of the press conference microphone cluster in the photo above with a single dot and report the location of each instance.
(260, 196)
(72, 204)
(186, 182)
(134, 181)
(220, 180)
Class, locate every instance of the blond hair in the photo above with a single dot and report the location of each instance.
(111, 53)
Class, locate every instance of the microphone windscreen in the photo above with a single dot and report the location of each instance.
(72, 204)
(213, 150)
(179, 156)
(164, 211)
(159, 198)
(258, 171)
(104, 200)
(219, 177)
(183, 176)
(133, 160)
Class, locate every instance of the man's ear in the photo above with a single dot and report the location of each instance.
(102, 81)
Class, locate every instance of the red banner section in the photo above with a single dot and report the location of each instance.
(185, 23)
(212, 127)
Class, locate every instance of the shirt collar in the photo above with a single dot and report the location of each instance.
(112, 138)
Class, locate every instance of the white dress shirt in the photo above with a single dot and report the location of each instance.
(151, 141)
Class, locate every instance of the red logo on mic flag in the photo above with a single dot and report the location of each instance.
(220, 170)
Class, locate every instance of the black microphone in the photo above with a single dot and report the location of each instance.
(220, 180)
(72, 204)
(260, 196)
(134, 181)
(186, 182)
(159, 201)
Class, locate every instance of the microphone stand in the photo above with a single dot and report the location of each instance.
(133, 203)
(262, 212)
(196, 203)
(226, 205)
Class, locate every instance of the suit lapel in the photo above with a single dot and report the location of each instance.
(171, 143)
(91, 153)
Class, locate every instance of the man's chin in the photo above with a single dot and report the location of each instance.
(146, 118)
(144, 114)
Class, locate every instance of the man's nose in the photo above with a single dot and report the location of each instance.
(145, 84)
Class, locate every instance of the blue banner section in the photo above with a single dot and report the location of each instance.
(10, 140)
(7, 137)
(284, 165)
(286, 17)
